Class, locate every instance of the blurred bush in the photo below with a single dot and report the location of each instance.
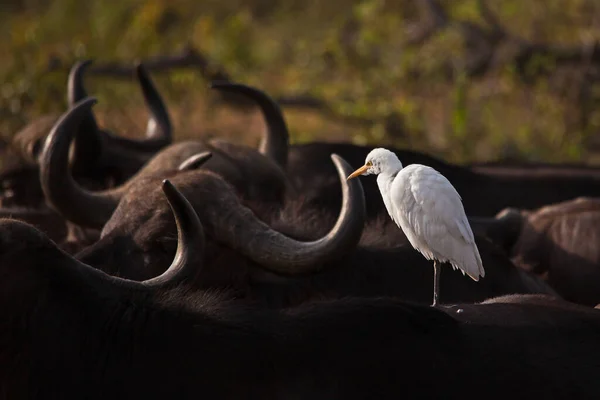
(458, 81)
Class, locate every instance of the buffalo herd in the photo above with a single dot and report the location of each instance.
(152, 269)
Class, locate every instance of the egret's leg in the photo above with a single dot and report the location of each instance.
(436, 281)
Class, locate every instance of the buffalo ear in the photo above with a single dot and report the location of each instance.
(508, 229)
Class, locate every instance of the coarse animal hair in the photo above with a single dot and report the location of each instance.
(254, 174)
(559, 243)
(67, 331)
(139, 241)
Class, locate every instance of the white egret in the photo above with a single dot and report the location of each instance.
(429, 210)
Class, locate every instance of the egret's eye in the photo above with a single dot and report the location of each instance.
(369, 164)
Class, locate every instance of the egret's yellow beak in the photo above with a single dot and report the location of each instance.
(358, 172)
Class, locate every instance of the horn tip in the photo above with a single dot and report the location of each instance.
(204, 156)
(339, 161)
(83, 63)
(140, 68)
(195, 161)
(169, 190)
(79, 66)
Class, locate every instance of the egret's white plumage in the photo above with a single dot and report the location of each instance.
(428, 209)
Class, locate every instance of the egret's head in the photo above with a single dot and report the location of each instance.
(378, 161)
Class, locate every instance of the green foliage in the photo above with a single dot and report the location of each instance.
(351, 54)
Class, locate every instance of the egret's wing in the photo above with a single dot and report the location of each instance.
(439, 205)
(433, 209)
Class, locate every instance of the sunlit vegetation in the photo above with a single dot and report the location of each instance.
(376, 79)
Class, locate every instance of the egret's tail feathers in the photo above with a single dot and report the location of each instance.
(473, 266)
(474, 277)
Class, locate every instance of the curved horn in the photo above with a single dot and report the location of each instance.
(186, 263)
(275, 142)
(94, 209)
(60, 189)
(30, 140)
(190, 241)
(159, 126)
(88, 142)
(195, 161)
(159, 129)
(241, 230)
(75, 87)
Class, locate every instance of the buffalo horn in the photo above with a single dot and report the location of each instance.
(188, 256)
(78, 205)
(60, 189)
(274, 144)
(88, 141)
(190, 241)
(240, 229)
(195, 161)
(159, 129)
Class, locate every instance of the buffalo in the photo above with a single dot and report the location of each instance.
(46, 220)
(483, 194)
(538, 169)
(558, 243)
(484, 191)
(99, 158)
(68, 330)
(284, 256)
(255, 175)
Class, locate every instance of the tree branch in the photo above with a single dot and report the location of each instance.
(482, 43)
(188, 58)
